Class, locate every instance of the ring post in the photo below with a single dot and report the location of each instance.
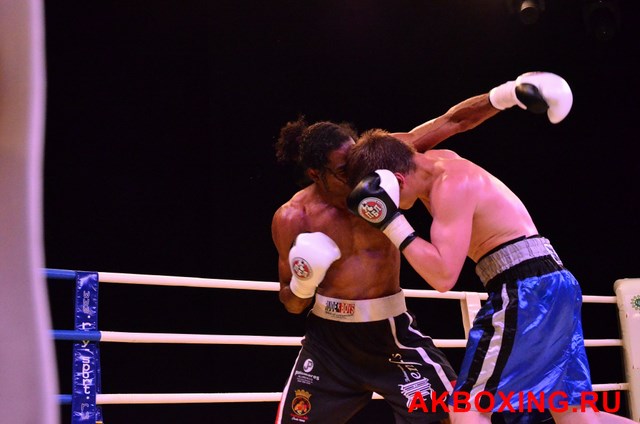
(628, 298)
(86, 353)
(470, 306)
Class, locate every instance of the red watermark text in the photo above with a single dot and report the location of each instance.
(514, 402)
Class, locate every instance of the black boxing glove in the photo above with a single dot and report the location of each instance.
(376, 199)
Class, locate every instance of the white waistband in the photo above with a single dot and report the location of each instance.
(366, 310)
(513, 254)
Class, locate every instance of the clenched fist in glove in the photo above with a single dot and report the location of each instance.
(310, 257)
(376, 199)
(537, 92)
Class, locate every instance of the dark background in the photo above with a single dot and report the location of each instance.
(161, 120)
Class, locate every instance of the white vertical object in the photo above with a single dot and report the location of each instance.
(628, 298)
(469, 306)
(28, 377)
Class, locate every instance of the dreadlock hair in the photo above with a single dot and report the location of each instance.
(308, 146)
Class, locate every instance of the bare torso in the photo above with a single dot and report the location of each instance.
(369, 265)
(498, 214)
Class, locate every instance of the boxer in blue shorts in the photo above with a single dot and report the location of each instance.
(529, 289)
(527, 338)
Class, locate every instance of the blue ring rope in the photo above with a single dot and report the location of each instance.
(93, 336)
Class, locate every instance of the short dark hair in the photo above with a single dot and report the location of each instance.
(377, 149)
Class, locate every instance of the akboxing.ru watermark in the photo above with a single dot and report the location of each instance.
(514, 402)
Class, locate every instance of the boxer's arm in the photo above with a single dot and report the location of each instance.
(462, 117)
(286, 224)
(440, 260)
(537, 92)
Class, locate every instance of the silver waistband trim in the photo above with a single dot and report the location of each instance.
(366, 310)
(512, 255)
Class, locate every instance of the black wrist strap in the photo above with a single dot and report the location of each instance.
(411, 237)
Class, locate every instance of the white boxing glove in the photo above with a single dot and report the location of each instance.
(537, 92)
(309, 259)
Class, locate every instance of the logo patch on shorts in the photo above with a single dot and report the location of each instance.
(301, 268)
(372, 209)
(308, 365)
(301, 404)
(340, 309)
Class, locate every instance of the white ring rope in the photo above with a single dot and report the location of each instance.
(166, 280)
(182, 398)
(122, 337)
(177, 338)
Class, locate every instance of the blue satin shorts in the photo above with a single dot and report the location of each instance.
(526, 347)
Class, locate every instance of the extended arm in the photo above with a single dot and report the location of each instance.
(462, 117)
(537, 92)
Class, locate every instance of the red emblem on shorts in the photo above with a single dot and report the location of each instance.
(372, 209)
(301, 404)
(301, 268)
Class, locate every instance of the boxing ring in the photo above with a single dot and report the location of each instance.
(86, 396)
